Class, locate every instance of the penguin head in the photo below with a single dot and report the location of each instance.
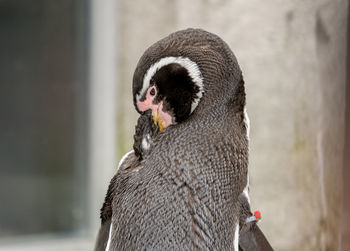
(172, 88)
(180, 72)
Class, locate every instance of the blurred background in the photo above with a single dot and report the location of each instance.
(66, 112)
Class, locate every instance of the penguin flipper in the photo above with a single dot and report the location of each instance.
(103, 236)
(106, 217)
(253, 239)
(128, 163)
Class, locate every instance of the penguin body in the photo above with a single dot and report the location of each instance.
(250, 235)
(185, 193)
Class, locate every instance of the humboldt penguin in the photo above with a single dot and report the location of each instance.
(185, 193)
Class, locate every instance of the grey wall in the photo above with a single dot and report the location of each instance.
(293, 57)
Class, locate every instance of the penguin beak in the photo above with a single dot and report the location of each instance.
(161, 118)
(158, 121)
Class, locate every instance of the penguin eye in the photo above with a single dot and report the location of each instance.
(152, 92)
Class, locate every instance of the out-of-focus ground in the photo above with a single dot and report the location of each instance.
(293, 57)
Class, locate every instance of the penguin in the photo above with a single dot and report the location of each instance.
(185, 193)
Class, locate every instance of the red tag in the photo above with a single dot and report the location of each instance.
(257, 215)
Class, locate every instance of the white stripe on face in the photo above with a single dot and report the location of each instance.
(191, 67)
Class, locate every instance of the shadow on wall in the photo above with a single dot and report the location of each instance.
(346, 168)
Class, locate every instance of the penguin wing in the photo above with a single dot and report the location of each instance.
(103, 236)
(251, 238)
(128, 162)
